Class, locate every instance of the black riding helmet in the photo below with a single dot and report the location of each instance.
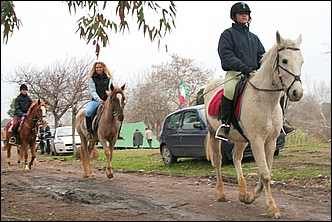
(239, 7)
(23, 87)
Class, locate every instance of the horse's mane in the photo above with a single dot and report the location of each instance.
(33, 105)
(272, 54)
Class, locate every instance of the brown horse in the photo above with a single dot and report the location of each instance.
(260, 118)
(111, 116)
(26, 135)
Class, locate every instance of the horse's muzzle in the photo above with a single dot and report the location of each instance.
(295, 95)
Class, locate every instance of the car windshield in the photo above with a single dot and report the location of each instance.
(66, 132)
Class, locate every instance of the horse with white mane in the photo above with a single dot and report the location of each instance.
(260, 118)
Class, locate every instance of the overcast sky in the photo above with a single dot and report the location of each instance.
(48, 35)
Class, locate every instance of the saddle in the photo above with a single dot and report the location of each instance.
(95, 119)
(214, 106)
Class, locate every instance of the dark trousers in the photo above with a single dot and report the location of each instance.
(42, 145)
(48, 147)
(150, 142)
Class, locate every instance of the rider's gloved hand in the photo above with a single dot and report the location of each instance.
(245, 70)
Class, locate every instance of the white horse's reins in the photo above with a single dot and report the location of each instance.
(296, 77)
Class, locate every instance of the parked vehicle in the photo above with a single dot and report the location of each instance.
(62, 141)
(183, 135)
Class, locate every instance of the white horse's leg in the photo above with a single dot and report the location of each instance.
(244, 196)
(264, 162)
(215, 145)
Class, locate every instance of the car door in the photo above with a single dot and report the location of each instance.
(192, 134)
(170, 133)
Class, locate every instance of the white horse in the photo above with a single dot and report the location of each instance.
(260, 118)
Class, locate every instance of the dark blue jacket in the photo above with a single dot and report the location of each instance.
(22, 104)
(48, 133)
(41, 134)
(238, 46)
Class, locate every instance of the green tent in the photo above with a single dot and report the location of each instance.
(127, 132)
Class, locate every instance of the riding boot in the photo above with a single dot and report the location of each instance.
(89, 127)
(119, 136)
(223, 129)
(286, 128)
(13, 138)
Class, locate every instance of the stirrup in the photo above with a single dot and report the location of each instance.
(220, 137)
(12, 140)
(287, 129)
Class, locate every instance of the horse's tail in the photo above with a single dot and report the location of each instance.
(208, 149)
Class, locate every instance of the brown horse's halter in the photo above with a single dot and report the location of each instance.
(113, 110)
(296, 77)
(35, 120)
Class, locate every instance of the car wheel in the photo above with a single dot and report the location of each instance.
(168, 157)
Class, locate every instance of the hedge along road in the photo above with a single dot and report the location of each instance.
(56, 191)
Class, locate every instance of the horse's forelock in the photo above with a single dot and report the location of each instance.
(36, 104)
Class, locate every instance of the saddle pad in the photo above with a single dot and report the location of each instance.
(215, 103)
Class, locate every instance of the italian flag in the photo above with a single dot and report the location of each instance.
(184, 94)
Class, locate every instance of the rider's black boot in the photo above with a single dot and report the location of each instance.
(223, 130)
(12, 139)
(89, 127)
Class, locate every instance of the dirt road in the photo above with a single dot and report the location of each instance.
(56, 191)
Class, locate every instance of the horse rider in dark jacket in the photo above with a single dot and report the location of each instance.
(21, 105)
(240, 52)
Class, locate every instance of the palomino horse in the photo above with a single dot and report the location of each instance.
(111, 114)
(260, 118)
(26, 135)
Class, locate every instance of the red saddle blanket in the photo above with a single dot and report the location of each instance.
(216, 101)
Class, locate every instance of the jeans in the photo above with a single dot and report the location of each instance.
(92, 106)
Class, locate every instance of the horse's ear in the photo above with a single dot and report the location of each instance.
(112, 87)
(279, 38)
(298, 40)
(38, 101)
(123, 86)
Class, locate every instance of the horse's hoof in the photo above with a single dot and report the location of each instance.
(247, 199)
(110, 176)
(274, 212)
(85, 176)
(222, 198)
(93, 176)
